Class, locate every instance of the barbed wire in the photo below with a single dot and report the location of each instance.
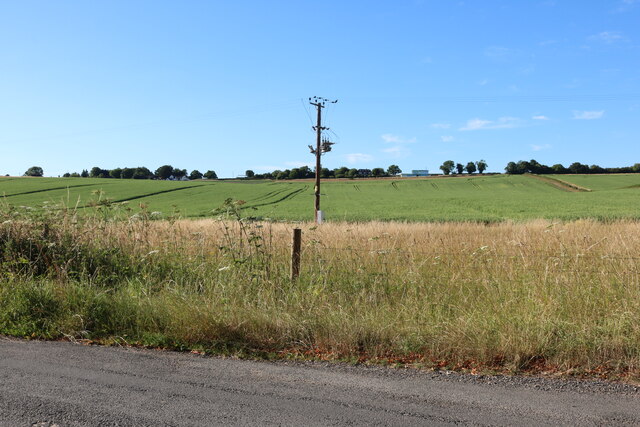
(477, 253)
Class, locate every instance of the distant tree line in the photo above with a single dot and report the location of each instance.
(450, 167)
(141, 172)
(533, 166)
(341, 172)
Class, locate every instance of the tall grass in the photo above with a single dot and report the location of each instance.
(509, 296)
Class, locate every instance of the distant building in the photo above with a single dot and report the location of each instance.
(416, 172)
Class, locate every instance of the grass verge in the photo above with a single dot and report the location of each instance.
(540, 296)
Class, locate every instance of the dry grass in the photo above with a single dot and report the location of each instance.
(514, 296)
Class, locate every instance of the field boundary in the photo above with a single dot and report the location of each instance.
(560, 184)
(44, 190)
(171, 190)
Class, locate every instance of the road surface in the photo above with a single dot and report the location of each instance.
(49, 384)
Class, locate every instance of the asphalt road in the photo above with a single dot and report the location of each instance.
(65, 384)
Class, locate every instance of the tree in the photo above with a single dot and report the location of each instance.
(535, 167)
(295, 174)
(178, 173)
(84, 173)
(116, 173)
(578, 167)
(377, 172)
(352, 173)
(97, 172)
(394, 170)
(142, 173)
(511, 168)
(447, 167)
(195, 174)
(341, 172)
(34, 171)
(249, 173)
(127, 173)
(459, 168)
(326, 173)
(558, 168)
(470, 168)
(75, 175)
(210, 175)
(164, 171)
(66, 175)
(481, 165)
(306, 172)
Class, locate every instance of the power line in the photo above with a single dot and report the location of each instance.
(256, 109)
(504, 98)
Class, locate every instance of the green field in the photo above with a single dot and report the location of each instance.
(477, 198)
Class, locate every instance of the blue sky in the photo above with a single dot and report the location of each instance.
(223, 85)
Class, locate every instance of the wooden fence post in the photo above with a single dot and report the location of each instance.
(295, 253)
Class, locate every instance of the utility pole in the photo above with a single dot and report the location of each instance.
(323, 145)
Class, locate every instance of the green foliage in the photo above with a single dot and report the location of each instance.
(447, 167)
(164, 172)
(210, 175)
(394, 170)
(378, 172)
(470, 168)
(97, 172)
(34, 171)
(43, 244)
(195, 174)
(116, 173)
(481, 165)
(179, 173)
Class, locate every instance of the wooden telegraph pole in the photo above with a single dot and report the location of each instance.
(323, 145)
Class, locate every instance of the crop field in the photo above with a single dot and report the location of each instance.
(476, 198)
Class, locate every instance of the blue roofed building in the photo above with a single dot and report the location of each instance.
(415, 172)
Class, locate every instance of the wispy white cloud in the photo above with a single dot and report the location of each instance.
(501, 123)
(483, 82)
(540, 117)
(499, 52)
(387, 137)
(440, 125)
(397, 139)
(607, 37)
(358, 158)
(547, 42)
(397, 151)
(625, 5)
(588, 115)
(399, 148)
(540, 147)
(447, 138)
